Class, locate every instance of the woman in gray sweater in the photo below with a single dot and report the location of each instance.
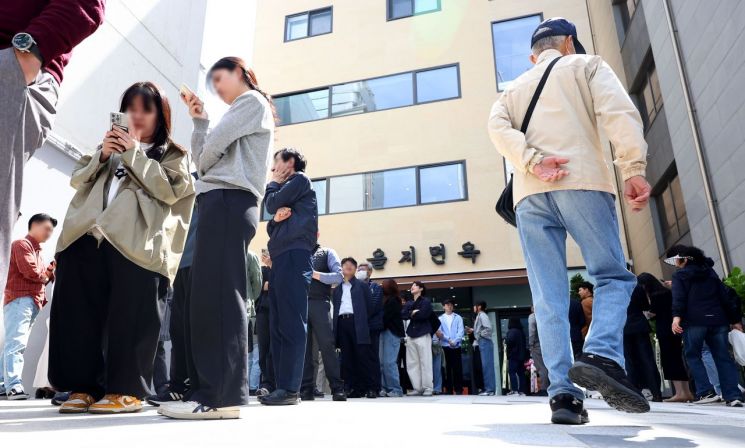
(232, 160)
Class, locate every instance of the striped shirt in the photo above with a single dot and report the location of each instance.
(28, 274)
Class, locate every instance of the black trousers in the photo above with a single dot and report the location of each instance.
(356, 366)
(375, 360)
(179, 373)
(216, 307)
(160, 370)
(453, 383)
(265, 353)
(104, 322)
(640, 362)
(319, 327)
(288, 314)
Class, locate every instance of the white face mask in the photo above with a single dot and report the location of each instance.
(361, 276)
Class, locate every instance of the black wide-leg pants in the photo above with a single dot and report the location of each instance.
(179, 331)
(216, 307)
(104, 322)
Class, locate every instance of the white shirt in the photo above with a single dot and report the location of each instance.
(116, 182)
(346, 299)
(448, 319)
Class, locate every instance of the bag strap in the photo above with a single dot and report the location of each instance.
(538, 90)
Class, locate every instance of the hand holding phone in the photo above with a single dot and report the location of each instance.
(192, 101)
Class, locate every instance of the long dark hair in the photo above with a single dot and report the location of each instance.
(651, 285)
(152, 97)
(515, 322)
(231, 63)
(390, 290)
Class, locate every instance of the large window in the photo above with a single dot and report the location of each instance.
(623, 12)
(370, 95)
(650, 96)
(398, 187)
(398, 9)
(307, 24)
(671, 212)
(511, 41)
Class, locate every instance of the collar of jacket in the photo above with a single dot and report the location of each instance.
(548, 54)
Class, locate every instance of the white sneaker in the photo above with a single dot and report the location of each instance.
(427, 393)
(735, 403)
(192, 410)
(413, 393)
(709, 398)
(486, 394)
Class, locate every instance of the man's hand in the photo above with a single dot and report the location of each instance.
(737, 326)
(549, 169)
(636, 192)
(282, 214)
(280, 175)
(677, 329)
(30, 65)
(317, 275)
(452, 343)
(469, 330)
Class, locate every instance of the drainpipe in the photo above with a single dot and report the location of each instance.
(693, 121)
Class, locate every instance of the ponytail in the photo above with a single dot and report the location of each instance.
(249, 77)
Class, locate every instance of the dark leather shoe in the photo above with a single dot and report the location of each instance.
(354, 394)
(307, 395)
(371, 394)
(568, 410)
(280, 397)
(318, 394)
(339, 395)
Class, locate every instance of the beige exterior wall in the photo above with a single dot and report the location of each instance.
(639, 226)
(364, 44)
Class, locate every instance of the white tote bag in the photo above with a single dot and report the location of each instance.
(737, 339)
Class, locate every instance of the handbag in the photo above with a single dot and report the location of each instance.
(505, 206)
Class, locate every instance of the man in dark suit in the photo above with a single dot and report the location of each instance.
(352, 310)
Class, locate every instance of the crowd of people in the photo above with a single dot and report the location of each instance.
(156, 226)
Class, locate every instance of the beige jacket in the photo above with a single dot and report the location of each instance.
(581, 95)
(148, 219)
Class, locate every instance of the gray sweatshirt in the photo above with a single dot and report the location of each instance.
(235, 154)
(482, 327)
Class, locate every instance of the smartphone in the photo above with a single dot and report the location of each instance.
(120, 120)
(185, 91)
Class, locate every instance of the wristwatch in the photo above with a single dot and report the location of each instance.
(24, 43)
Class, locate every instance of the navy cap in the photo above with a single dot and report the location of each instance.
(557, 26)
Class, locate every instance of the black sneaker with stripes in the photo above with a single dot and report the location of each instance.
(164, 397)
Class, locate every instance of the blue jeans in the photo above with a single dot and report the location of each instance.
(254, 372)
(389, 347)
(716, 339)
(437, 371)
(19, 315)
(711, 368)
(486, 351)
(589, 217)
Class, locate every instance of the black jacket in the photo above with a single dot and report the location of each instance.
(419, 323)
(392, 317)
(636, 321)
(300, 230)
(515, 340)
(700, 298)
(576, 320)
(362, 305)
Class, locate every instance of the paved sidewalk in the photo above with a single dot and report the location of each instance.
(384, 422)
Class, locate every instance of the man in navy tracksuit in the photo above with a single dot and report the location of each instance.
(292, 237)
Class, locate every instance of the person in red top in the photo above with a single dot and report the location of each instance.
(36, 42)
(24, 296)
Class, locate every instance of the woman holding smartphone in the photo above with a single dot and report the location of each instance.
(121, 240)
(232, 160)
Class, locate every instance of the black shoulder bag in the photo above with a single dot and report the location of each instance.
(505, 204)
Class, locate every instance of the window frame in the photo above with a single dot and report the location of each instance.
(665, 185)
(658, 100)
(301, 92)
(493, 39)
(308, 31)
(417, 175)
(414, 87)
(389, 10)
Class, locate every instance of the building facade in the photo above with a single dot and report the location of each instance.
(682, 66)
(389, 101)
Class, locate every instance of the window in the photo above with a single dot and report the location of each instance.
(650, 96)
(623, 12)
(396, 187)
(307, 24)
(319, 186)
(398, 9)
(671, 212)
(442, 183)
(437, 84)
(302, 107)
(511, 41)
(347, 193)
(370, 95)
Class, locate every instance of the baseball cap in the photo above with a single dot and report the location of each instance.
(557, 26)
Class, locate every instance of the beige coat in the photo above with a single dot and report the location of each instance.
(581, 96)
(148, 220)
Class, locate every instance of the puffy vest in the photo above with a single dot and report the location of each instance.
(320, 261)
